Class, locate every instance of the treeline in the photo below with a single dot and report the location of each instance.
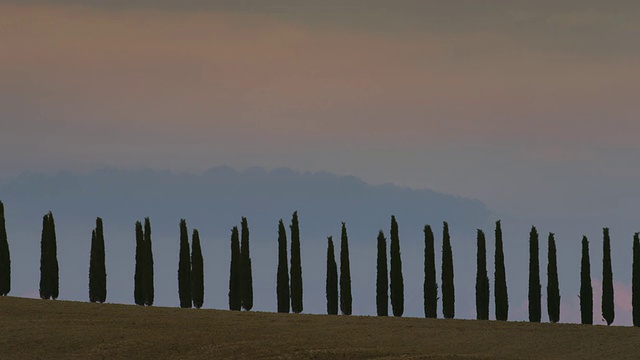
(289, 284)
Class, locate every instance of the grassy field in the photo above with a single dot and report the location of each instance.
(33, 329)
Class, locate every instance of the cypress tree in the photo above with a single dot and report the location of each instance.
(53, 259)
(296, 266)
(535, 312)
(382, 280)
(553, 289)
(149, 290)
(93, 269)
(235, 302)
(345, 274)
(45, 283)
(197, 271)
(332, 279)
(5, 257)
(184, 268)
(430, 285)
(586, 291)
(139, 290)
(608, 309)
(448, 292)
(500, 291)
(482, 280)
(397, 281)
(635, 280)
(246, 277)
(282, 284)
(49, 282)
(101, 265)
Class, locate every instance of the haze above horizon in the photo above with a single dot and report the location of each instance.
(529, 107)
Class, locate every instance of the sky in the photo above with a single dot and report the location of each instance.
(529, 106)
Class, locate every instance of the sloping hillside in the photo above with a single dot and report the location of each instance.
(61, 329)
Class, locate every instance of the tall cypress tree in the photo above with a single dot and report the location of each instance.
(5, 257)
(430, 285)
(535, 312)
(553, 288)
(101, 276)
(608, 309)
(149, 289)
(482, 280)
(197, 271)
(184, 268)
(500, 282)
(635, 280)
(397, 281)
(296, 266)
(139, 289)
(345, 274)
(53, 261)
(45, 283)
(382, 280)
(235, 302)
(282, 284)
(332, 279)
(448, 291)
(93, 271)
(586, 291)
(49, 282)
(246, 276)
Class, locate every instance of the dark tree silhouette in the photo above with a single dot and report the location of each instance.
(345, 274)
(235, 302)
(382, 277)
(296, 266)
(101, 276)
(448, 291)
(5, 257)
(553, 288)
(535, 311)
(184, 268)
(246, 276)
(93, 271)
(45, 287)
(482, 280)
(332, 279)
(139, 290)
(49, 281)
(282, 284)
(500, 281)
(635, 280)
(430, 284)
(586, 291)
(608, 308)
(197, 271)
(149, 289)
(53, 262)
(397, 281)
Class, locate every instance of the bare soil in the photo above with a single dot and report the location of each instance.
(47, 329)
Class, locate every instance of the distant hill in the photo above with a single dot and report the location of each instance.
(213, 202)
(223, 194)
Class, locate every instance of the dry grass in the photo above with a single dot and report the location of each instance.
(33, 329)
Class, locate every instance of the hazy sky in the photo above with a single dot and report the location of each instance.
(530, 106)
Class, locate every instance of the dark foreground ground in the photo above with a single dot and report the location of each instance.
(33, 329)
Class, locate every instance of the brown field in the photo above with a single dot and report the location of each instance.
(33, 329)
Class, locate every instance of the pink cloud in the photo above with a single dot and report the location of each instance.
(570, 308)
